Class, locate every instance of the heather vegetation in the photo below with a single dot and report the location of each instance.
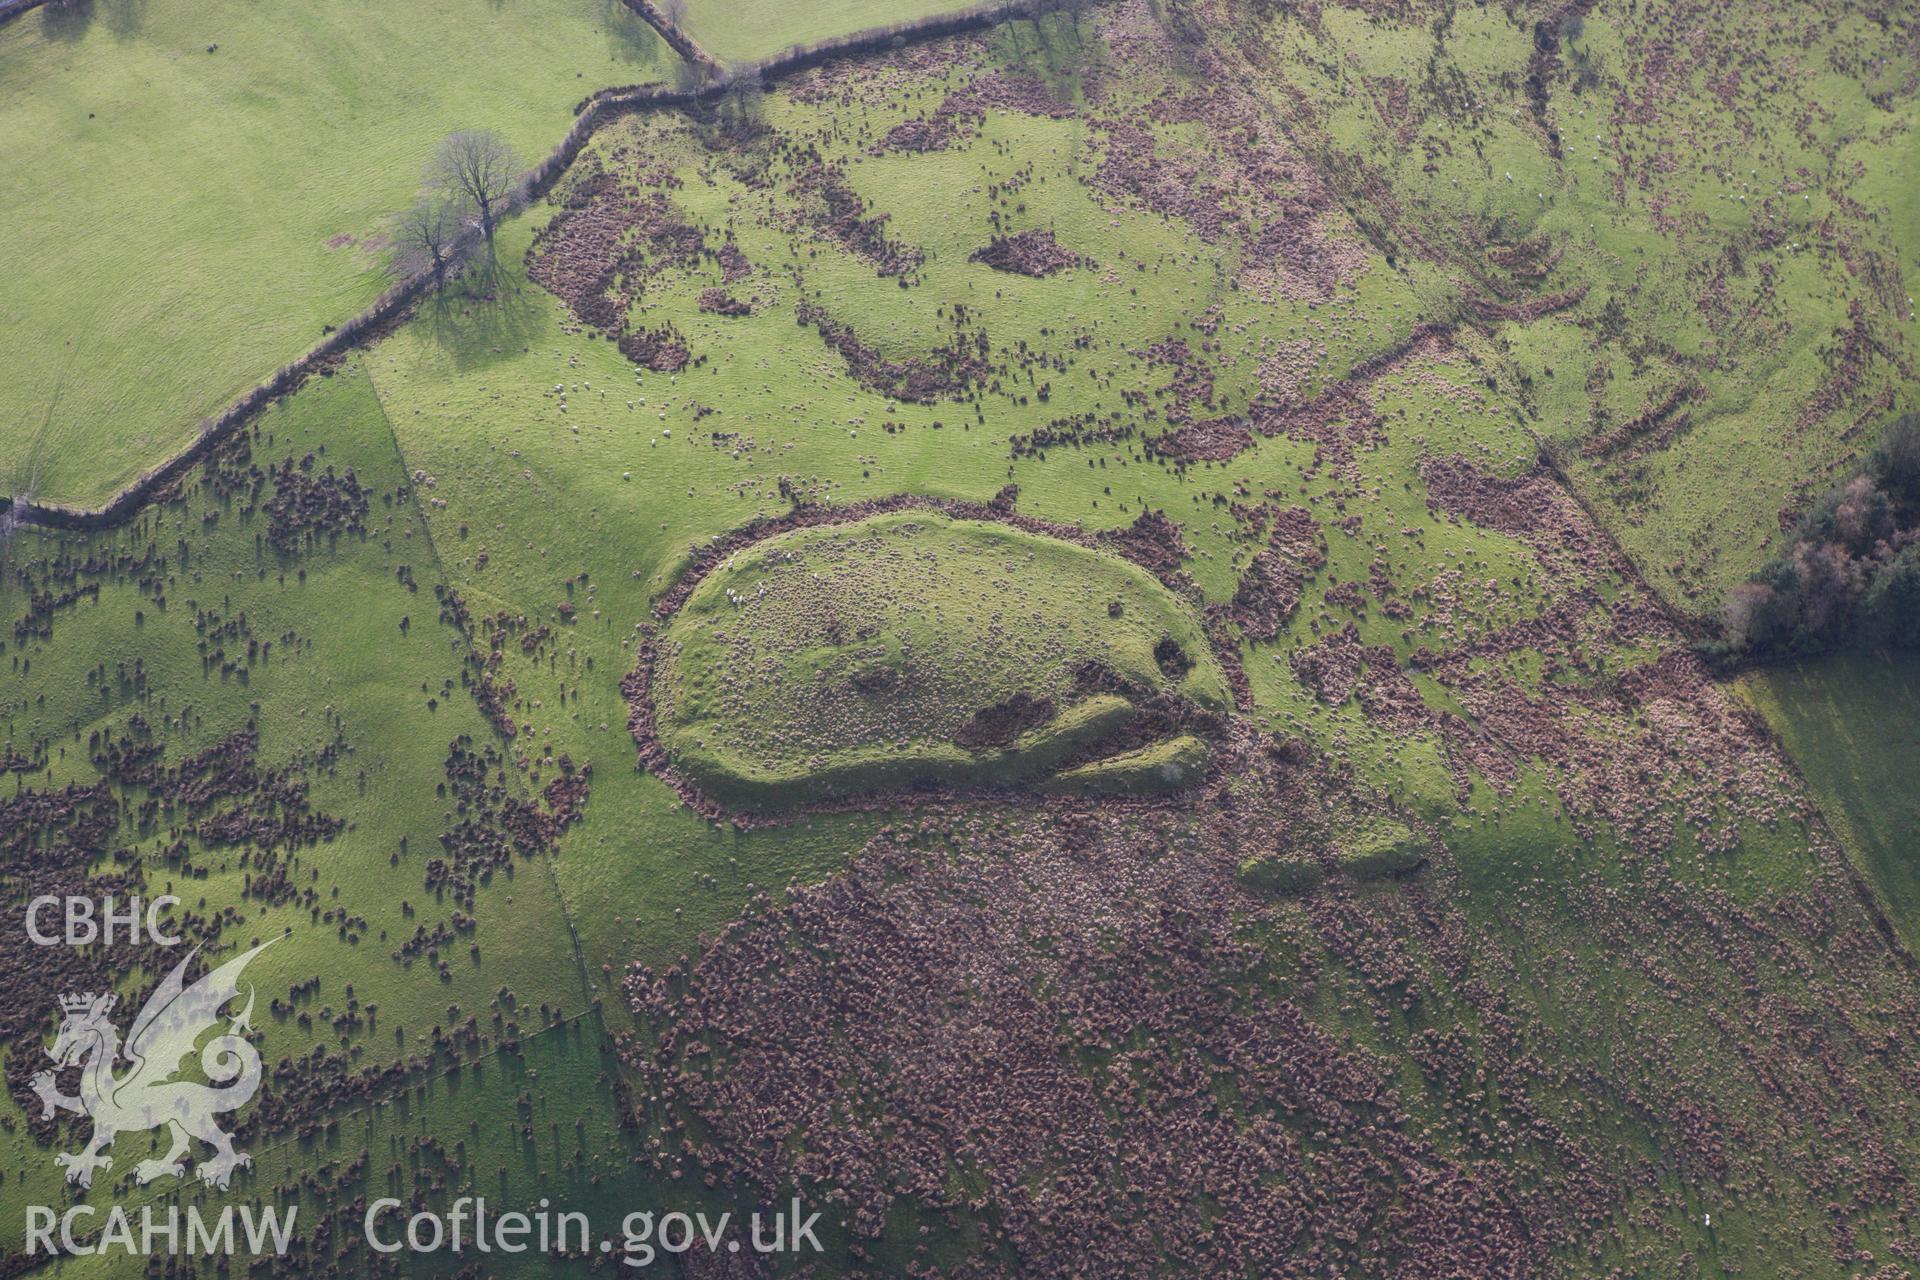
(1080, 643)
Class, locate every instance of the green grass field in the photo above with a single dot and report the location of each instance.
(1852, 723)
(1718, 251)
(351, 653)
(735, 31)
(210, 189)
(1559, 899)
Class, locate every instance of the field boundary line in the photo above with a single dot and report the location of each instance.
(1693, 628)
(11, 9)
(677, 38)
(393, 306)
(446, 581)
(366, 1109)
(1858, 876)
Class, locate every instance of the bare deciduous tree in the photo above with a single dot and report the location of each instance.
(478, 166)
(427, 231)
(741, 107)
(690, 76)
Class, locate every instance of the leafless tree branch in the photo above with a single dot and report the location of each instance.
(478, 166)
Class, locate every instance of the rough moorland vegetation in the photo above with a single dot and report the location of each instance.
(1426, 373)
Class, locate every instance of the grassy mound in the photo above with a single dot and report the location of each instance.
(913, 650)
(1167, 765)
(1381, 850)
(1280, 876)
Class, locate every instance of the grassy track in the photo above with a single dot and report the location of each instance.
(209, 184)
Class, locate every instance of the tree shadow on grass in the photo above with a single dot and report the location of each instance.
(630, 38)
(483, 317)
(126, 18)
(66, 20)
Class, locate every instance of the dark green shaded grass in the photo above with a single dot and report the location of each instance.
(1852, 724)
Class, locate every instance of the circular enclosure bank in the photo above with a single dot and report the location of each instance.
(913, 651)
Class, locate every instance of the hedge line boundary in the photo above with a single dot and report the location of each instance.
(393, 305)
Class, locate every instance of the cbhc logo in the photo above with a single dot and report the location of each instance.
(86, 921)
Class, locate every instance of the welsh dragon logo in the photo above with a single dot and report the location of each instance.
(146, 1095)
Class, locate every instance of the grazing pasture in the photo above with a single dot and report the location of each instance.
(1426, 906)
(738, 30)
(1852, 723)
(197, 190)
(260, 672)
